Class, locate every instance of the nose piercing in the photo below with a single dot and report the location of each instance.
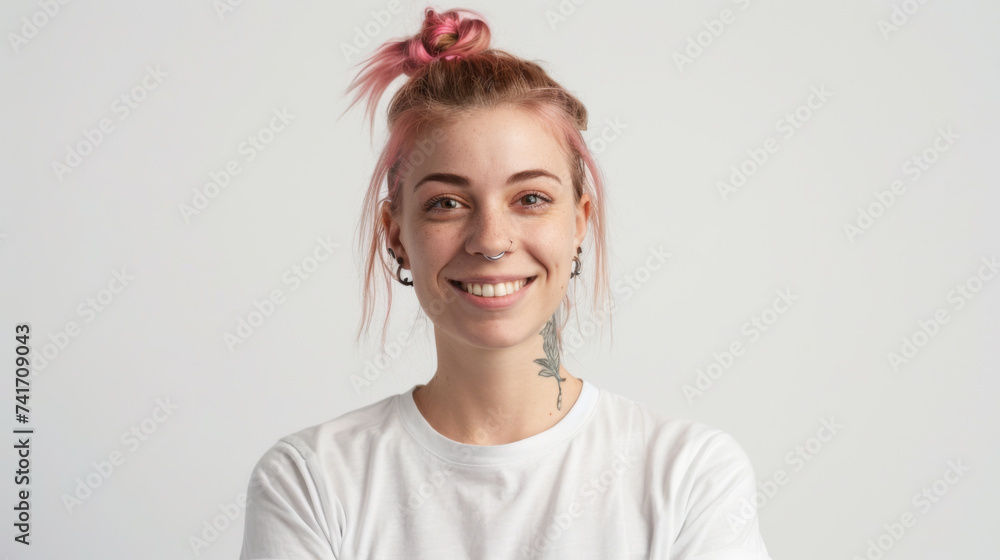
(489, 258)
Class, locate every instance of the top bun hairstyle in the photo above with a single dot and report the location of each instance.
(451, 72)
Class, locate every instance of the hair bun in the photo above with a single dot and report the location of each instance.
(457, 33)
(448, 35)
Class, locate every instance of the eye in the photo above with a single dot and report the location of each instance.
(430, 204)
(445, 202)
(535, 199)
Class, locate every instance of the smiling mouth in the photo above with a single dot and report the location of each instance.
(493, 290)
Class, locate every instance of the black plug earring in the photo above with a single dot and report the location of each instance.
(399, 269)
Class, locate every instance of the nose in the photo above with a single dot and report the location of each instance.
(489, 233)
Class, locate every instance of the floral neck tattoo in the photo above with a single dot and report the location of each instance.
(550, 363)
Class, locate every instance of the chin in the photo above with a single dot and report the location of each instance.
(491, 334)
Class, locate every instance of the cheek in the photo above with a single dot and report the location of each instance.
(554, 236)
(431, 248)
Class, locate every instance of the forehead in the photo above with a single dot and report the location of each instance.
(486, 144)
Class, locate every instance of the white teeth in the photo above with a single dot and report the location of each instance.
(494, 290)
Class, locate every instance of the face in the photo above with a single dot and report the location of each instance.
(493, 181)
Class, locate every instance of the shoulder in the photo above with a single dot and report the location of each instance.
(655, 427)
(678, 447)
(301, 489)
(697, 475)
(341, 436)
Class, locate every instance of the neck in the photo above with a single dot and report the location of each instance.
(493, 396)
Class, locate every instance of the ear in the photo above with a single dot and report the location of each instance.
(392, 230)
(583, 210)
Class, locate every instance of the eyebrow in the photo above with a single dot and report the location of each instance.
(459, 181)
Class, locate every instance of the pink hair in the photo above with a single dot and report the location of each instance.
(452, 71)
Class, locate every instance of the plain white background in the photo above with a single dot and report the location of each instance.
(667, 131)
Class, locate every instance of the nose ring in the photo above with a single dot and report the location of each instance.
(489, 258)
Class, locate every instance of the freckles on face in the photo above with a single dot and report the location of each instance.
(471, 186)
(492, 181)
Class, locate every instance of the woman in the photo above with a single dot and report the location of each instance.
(503, 453)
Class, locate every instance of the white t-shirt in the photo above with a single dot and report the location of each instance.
(611, 480)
